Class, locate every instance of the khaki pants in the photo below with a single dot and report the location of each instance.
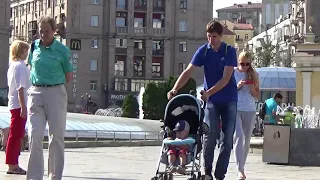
(46, 104)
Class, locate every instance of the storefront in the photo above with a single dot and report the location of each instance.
(116, 98)
(272, 80)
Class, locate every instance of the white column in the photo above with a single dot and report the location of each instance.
(306, 82)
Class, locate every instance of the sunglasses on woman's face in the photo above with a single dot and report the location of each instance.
(245, 64)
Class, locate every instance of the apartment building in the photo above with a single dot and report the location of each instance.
(4, 36)
(250, 12)
(119, 45)
(273, 11)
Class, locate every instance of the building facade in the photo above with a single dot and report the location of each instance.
(249, 12)
(119, 45)
(273, 11)
(4, 39)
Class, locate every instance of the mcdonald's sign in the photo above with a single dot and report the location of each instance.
(75, 44)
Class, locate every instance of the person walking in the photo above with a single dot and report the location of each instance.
(220, 90)
(248, 92)
(50, 70)
(18, 82)
(4, 138)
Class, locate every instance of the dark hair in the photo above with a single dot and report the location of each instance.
(214, 27)
(277, 95)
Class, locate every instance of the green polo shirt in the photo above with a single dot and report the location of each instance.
(49, 64)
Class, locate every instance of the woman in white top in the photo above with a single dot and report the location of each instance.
(18, 82)
(248, 91)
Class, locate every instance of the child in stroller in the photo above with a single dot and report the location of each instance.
(183, 130)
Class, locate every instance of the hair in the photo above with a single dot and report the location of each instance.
(17, 49)
(48, 19)
(214, 27)
(277, 95)
(251, 72)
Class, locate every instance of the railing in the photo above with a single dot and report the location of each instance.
(96, 135)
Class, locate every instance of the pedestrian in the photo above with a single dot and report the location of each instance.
(248, 92)
(50, 70)
(18, 82)
(4, 138)
(220, 90)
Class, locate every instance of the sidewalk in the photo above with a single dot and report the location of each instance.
(128, 163)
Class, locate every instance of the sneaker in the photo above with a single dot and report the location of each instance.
(181, 170)
(172, 169)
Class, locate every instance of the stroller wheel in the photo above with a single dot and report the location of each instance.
(167, 177)
(199, 177)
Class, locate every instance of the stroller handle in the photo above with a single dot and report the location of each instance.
(204, 103)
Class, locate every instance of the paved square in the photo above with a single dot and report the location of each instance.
(127, 163)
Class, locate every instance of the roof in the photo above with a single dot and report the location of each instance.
(227, 32)
(242, 6)
(242, 26)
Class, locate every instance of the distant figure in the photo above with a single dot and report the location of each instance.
(4, 136)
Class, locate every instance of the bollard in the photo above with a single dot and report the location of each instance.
(77, 136)
(96, 136)
(114, 136)
(130, 136)
(145, 136)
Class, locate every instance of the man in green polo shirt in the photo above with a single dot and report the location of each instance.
(47, 102)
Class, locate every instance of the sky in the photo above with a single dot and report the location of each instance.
(218, 4)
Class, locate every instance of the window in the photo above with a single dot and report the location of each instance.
(157, 45)
(94, 43)
(182, 67)
(121, 43)
(183, 25)
(119, 65)
(93, 85)
(137, 84)
(277, 11)
(246, 36)
(183, 46)
(120, 84)
(291, 97)
(95, 1)
(94, 21)
(121, 19)
(121, 4)
(140, 3)
(157, 66)
(285, 9)
(138, 66)
(139, 44)
(94, 65)
(158, 21)
(139, 20)
(183, 4)
(49, 3)
(268, 14)
(158, 3)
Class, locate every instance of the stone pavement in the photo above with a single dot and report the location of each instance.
(128, 163)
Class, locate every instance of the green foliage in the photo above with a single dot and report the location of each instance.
(130, 107)
(265, 56)
(155, 97)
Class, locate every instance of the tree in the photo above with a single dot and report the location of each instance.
(155, 97)
(266, 54)
(130, 107)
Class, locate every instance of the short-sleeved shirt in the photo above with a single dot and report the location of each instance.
(18, 77)
(213, 63)
(49, 64)
(271, 105)
(246, 101)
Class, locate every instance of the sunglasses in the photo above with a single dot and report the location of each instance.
(245, 64)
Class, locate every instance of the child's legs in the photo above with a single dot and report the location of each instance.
(172, 156)
(183, 156)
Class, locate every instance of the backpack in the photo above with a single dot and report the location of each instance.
(225, 54)
(262, 111)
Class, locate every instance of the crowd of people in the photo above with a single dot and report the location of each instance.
(37, 93)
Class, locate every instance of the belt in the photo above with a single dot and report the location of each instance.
(38, 85)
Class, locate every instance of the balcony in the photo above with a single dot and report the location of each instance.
(139, 52)
(239, 40)
(140, 30)
(294, 22)
(119, 72)
(159, 31)
(122, 5)
(121, 51)
(157, 52)
(122, 30)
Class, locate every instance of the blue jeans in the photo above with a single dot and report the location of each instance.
(228, 113)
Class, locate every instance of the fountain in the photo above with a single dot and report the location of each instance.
(114, 112)
(140, 99)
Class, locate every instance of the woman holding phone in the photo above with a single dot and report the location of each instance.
(248, 91)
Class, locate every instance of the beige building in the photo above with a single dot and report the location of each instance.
(4, 36)
(119, 45)
(243, 33)
(249, 13)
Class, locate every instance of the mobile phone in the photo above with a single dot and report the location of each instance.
(249, 82)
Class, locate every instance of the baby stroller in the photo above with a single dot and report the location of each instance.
(188, 108)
